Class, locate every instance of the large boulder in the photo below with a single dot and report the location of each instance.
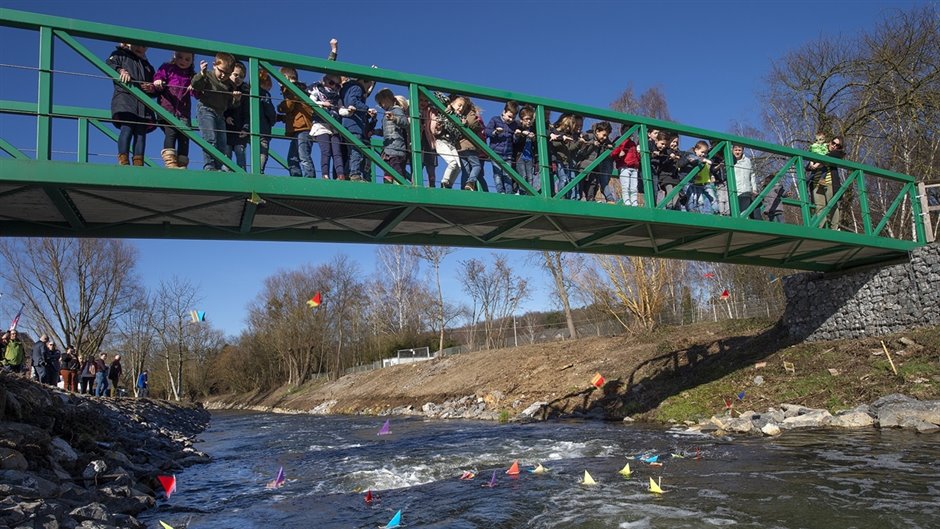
(810, 419)
(897, 410)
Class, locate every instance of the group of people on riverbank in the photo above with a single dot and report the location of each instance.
(46, 364)
(452, 129)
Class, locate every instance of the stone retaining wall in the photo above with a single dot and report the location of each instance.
(870, 302)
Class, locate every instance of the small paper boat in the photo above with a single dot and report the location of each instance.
(539, 470)
(165, 525)
(385, 429)
(169, 484)
(514, 469)
(467, 475)
(369, 497)
(654, 487)
(588, 480)
(492, 482)
(394, 522)
(625, 471)
(278, 481)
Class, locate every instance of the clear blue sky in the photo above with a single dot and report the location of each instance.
(708, 57)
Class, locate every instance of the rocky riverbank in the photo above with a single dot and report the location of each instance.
(69, 461)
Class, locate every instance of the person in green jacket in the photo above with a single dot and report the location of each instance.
(13, 352)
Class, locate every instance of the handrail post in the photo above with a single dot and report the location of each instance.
(541, 131)
(82, 140)
(920, 234)
(649, 193)
(803, 192)
(863, 203)
(44, 103)
(417, 155)
(254, 114)
(730, 182)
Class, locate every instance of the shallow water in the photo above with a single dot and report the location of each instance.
(819, 479)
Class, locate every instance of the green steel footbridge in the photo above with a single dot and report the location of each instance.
(53, 183)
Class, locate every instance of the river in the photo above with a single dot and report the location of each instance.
(802, 479)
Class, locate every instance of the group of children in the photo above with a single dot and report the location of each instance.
(223, 112)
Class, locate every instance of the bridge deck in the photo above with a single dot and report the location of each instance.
(82, 200)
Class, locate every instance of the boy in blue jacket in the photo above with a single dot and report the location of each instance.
(356, 119)
(501, 132)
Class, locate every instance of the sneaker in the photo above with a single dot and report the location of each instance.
(470, 187)
(356, 178)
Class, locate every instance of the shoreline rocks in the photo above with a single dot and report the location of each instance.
(70, 461)
(891, 411)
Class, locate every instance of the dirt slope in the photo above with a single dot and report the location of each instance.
(676, 373)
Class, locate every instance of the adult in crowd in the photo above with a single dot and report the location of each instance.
(69, 370)
(142, 385)
(745, 181)
(824, 180)
(14, 353)
(53, 363)
(114, 374)
(86, 374)
(37, 359)
(100, 370)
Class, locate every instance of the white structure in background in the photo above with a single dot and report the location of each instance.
(408, 356)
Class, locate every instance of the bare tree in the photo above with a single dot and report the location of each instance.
(135, 337)
(560, 266)
(434, 255)
(174, 329)
(396, 292)
(496, 291)
(628, 285)
(73, 289)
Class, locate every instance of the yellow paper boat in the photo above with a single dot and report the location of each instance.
(588, 480)
(539, 469)
(165, 525)
(654, 487)
(625, 471)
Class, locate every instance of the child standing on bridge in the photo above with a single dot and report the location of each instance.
(298, 118)
(394, 132)
(214, 95)
(173, 93)
(524, 148)
(501, 132)
(131, 116)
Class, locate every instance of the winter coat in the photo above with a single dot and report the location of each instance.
(590, 149)
(564, 151)
(395, 132)
(124, 104)
(213, 92)
(174, 95)
(239, 114)
(353, 95)
(268, 112)
(744, 178)
(524, 147)
(471, 121)
(319, 93)
(501, 142)
(626, 155)
(297, 116)
(54, 358)
(14, 354)
(38, 354)
(114, 372)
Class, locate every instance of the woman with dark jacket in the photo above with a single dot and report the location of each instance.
(131, 116)
(87, 377)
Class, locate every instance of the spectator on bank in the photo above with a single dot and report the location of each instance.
(53, 363)
(142, 388)
(13, 352)
(114, 374)
(86, 375)
(38, 359)
(69, 370)
(100, 370)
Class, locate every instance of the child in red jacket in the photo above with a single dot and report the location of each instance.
(627, 160)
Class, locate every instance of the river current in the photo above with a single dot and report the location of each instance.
(802, 479)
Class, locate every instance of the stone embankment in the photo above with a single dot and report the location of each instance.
(892, 411)
(69, 461)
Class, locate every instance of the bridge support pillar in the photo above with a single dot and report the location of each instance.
(868, 302)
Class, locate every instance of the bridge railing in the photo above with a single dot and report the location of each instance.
(869, 200)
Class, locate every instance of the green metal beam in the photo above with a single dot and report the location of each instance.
(106, 130)
(759, 199)
(541, 136)
(509, 227)
(891, 209)
(593, 165)
(248, 214)
(687, 240)
(688, 178)
(818, 253)
(646, 167)
(65, 206)
(391, 221)
(604, 234)
(820, 218)
(8, 148)
(416, 132)
(759, 246)
(44, 103)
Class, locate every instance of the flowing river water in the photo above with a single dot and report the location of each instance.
(802, 479)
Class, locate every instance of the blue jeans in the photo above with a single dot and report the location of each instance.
(101, 385)
(299, 161)
(356, 160)
(239, 151)
(526, 169)
(603, 180)
(563, 175)
(628, 186)
(135, 132)
(330, 148)
(701, 199)
(471, 170)
(504, 183)
(212, 128)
